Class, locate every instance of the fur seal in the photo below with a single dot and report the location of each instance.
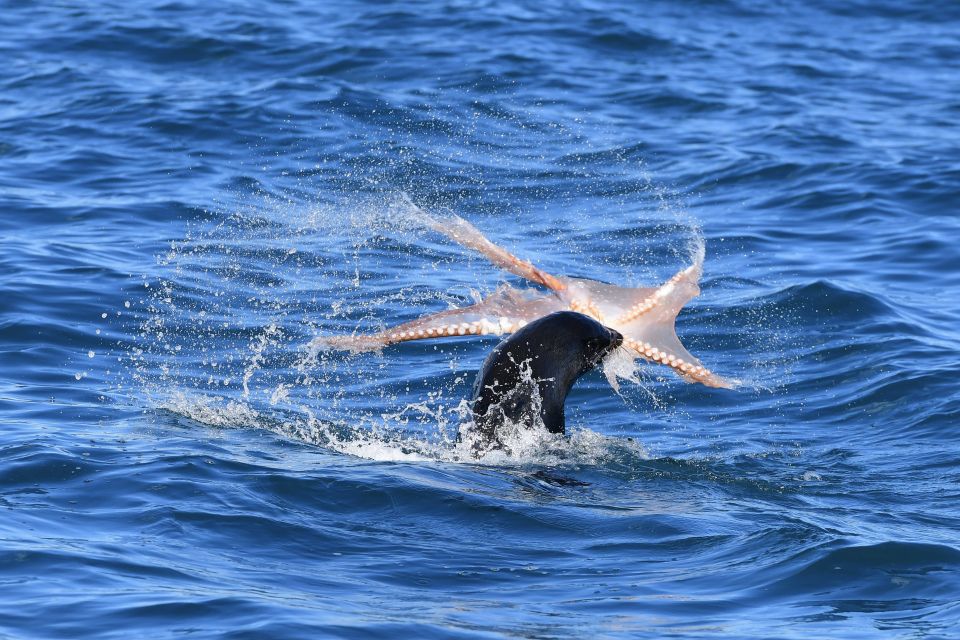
(526, 378)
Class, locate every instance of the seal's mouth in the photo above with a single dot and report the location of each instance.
(616, 339)
(599, 347)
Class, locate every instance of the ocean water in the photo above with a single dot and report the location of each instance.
(192, 194)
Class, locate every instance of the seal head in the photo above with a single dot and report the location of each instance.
(525, 379)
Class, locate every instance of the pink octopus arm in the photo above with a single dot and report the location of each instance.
(649, 329)
(467, 235)
(502, 312)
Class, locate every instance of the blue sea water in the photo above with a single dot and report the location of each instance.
(191, 193)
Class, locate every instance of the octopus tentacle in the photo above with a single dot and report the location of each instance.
(504, 311)
(587, 308)
(664, 290)
(467, 235)
(422, 329)
(689, 371)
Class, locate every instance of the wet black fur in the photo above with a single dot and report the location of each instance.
(558, 348)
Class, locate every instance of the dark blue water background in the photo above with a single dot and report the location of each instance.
(191, 194)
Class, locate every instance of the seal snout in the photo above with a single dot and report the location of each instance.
(604, 342)
(616, 339)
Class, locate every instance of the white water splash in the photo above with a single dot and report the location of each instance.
(389, 441)
(264, 340)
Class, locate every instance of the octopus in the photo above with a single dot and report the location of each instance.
(645, 316)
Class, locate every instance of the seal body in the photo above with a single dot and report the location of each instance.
(526, 378)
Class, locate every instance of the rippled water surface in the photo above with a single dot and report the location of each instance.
(191, 195)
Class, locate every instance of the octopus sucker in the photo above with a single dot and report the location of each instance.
(644, 316)
(587, 308)
(636, 311)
